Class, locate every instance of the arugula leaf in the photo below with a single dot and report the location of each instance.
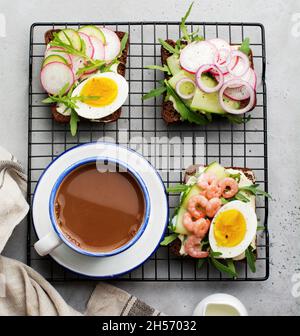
(241, 197)
(250, 258)
(201, 262)
(97, 64)
(155, 92)
(223, 268)
(236, 119)
(169, 239)
(254, 190)
(260, 228)
(164, 68)
(236, 177)
(168, 47)
(123, 42)
(231, 265)
(178, 188)
(245, 46)
(215, 254)
(183, 27)
(73, 122)
(185, 112)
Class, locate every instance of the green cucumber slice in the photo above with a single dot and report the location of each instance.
(173, 64)
(179, 227)
(71, 37)
(54, 58)
(93, 31)
(216, 169)
(187, 88)
(209, 102)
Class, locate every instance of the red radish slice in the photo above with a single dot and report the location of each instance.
(54, 76)
(241, 83)
(196, 54)
(209, 68)
(89, 48)
(54, 51)
(99, 50)
(241, 93)
(77, 63)
(112, 44)
(223, 46)
(241, 67)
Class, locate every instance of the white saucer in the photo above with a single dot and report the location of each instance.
(133, 257)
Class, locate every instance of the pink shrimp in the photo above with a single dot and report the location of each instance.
(196, 206)
(229, 187)
(189, 222)
(213, 206)
(205, 180)
(201, 228)
(192, 247)
(213, 191)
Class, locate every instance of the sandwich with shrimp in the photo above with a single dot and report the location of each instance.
(215, 220)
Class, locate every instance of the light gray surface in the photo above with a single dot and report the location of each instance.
(273, 297)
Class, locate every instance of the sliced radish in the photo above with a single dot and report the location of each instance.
(209, 68)
(112, 44)
(89, 48)
(99, 50)
(197, 54)
(77, 63)
(224, 49)
(54, 76)
(58, 51)
(241, 93)
(246, 86)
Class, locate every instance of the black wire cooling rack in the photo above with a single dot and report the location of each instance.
(243, 145)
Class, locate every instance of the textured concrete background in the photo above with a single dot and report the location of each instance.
(273, 297)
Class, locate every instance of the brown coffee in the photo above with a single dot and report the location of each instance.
(99, 211)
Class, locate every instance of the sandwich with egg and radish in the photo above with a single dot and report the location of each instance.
(83, 72)
(215, 220)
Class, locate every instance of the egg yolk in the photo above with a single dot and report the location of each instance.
(229, 228)
(103, 90)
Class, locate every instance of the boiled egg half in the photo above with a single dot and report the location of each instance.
(102, 94)
(233, 229)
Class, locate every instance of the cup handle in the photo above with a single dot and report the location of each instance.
(47, 244)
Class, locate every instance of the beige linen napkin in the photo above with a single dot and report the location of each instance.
(22, 290)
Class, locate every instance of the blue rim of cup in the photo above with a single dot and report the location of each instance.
(133, 173)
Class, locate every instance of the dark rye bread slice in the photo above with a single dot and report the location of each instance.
(190, 171)
(169, 114)
(49, 35)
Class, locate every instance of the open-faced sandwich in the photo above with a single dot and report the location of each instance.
(83, 72)
(216, 219)
(205, 79)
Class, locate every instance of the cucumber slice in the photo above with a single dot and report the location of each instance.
(180, 228)
(71, 37)
(187, 88)
(216, 169)
(209, 102)
(173, 64)
(93, 31)
(54, 58)
(180, 75)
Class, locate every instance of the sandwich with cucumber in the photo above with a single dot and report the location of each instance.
(83, 73)
(205, 79)
(215, 220)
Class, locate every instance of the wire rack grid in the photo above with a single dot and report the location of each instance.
(243, 145)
